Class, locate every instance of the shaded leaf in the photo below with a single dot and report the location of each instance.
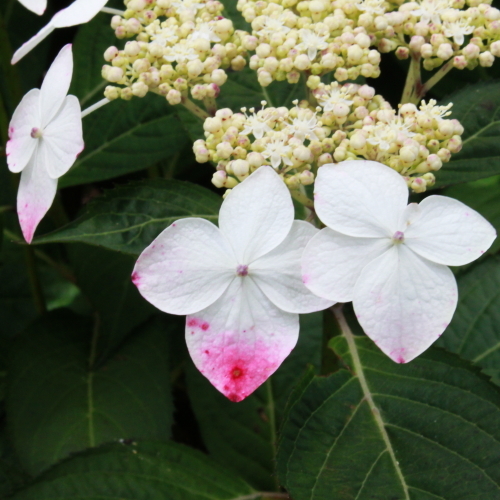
(478, 109)
(128, 218)
(243, 436)
(57, 405)
(474, 332)
(425, 430)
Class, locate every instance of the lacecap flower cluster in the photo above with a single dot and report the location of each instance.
(179, 45)
(350, 122)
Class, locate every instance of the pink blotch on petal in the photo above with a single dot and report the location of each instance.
(135, 278)
(305, 278)
(198, 323)
(398, 355)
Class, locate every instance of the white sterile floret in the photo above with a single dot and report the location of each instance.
(457, 30)
(312, 43)
(390, 258)
(239, 284)
(79, 12)
(45, 137)
(336, 95)
(430, 11)
(36, 6)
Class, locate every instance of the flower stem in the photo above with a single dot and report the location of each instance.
(302, 198)
(94, 107)
(413, 83)
(115, 12)
(210, 105)
(194, 109)
(441, 73)
(36, 285)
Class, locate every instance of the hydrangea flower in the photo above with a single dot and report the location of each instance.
(45, 137)
(79, 12)
(36, 6)
(389, 258)
(239, 284)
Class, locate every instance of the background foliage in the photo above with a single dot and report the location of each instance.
(98, 397)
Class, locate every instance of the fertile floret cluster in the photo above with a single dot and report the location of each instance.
(179, 45)
(290, 41)
(350, 122)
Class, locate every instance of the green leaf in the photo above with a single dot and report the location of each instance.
(477, 108)
(243, 436)
(128, 218)
(124, 137)
(58, 402)
(426, 430)
(137, 471)
(474, 332)
(482, 196)
(104, 278)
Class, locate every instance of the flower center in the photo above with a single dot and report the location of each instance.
(242, 270)
(36, 133)
(398, 237)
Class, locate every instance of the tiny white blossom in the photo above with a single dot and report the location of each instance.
(457, 30)
(36, 6)
(434, 110)
(303, 128)
(273, 25)
(277, 151)
(374, 7)
(204, 31)
(180, 53)
(430, 11)
(311, 42)
(79, 12)
(390, 258)
(239, 284)
(162, 36)
(255, 124)
(187, 6)
(45, 138)
(382, 135)
(335, 95)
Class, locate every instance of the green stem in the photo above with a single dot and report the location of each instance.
(194, 109)
(36, 285)
(267, 97)
(358, 369)
(302, 198)
(210, 105)
(413, 80)
(441, 73)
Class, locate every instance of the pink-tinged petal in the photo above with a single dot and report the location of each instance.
(36, 6)
(36, 193)
(21, 145)
(186, 268)
(332, 262)
(32, 43)
(404, 302)
(64, 137)
(79, 12)
(279, 276)
(56, 84)
(257, 215)
(240, 340)
(449, 232)
(360, 198)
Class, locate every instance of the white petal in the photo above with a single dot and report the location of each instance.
(36, 6)
(64, 137)
(332, 262)
(240, 340)
(21, 145)
(79, 12)
(56, 84)
(404, 302)
(186, 268)
(449, 232)
(32, 42)
(36, 193)
(360, 198)
(279, 276)
(257, 215)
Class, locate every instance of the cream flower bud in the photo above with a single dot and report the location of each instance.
(354, 54)
(416, 43)
(303, 154)
(418, 185)
(241, 168)
(132, 48)
(263, 50)
(111, 92)
(265, 78)
(358, 140)
(446, 128)
(363, 40)
(302, 62)
(112, 74)
(212, 125)
(255, 160)
(459, 62)
(455, 144)
(141, 65)
(486, 59)
(194, 68)
(306, 177)
(445, 51)
(174, 97)
(426, 50)
(224, 150)
(218, 77)
(434, 162)
(219, 178)
(495, 48)
(408, 153)
(139, 89)
(341, 110)
(110, 54)
(324, 159)
(471, 51)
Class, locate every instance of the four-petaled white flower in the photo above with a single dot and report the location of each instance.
(187, 6)
(204, 31)
(239, 284)
(36, 6)
(390, 258)
(430, 11)
(458, 30)
(79, 12)
(162, 36)
(383, 136)
(277, 151)
(376, 7)
(45, 137)
(180, 53)
(336, 95)
(303, 128)
(311, 42)
(272, 25)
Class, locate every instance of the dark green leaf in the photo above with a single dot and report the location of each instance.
(104, 278)
(474, 332)
(57, 405)
(243, 436)
(382, 431)
(137, 471)
(478, 109)
(129, 217)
